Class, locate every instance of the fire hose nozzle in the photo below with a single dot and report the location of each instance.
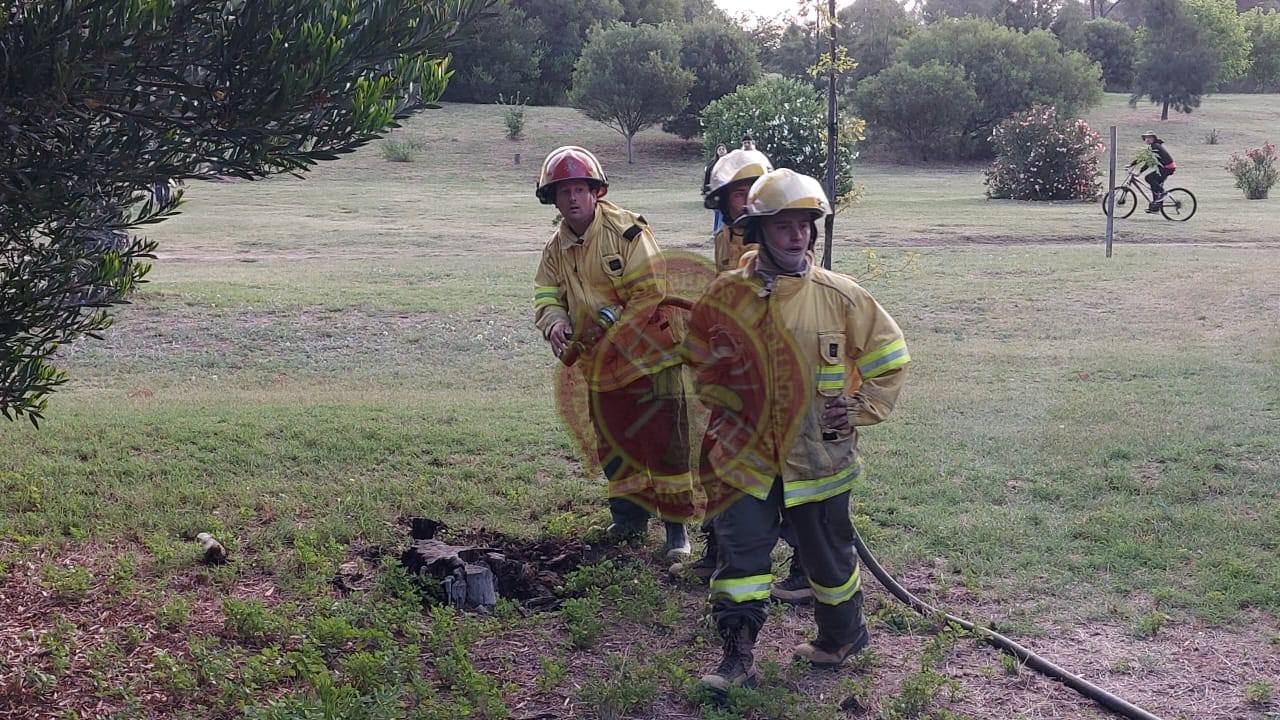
(605, 318)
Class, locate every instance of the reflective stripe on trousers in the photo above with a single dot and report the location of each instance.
(740, 590)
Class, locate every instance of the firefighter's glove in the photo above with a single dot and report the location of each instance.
(558, 335)
(835, 414)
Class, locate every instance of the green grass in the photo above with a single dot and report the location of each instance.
(1079, 439)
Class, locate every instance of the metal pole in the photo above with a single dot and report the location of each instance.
(1111, 188)
(830, 225)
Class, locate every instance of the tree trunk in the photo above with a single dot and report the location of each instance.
(1164, 114)
(631, 152)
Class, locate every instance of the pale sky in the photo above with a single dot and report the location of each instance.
(767, 8)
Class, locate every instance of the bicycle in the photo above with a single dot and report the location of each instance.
(1177, 204)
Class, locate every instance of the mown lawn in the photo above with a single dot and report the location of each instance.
(1088, 452)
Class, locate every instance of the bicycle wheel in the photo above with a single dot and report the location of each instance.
(1125, 200)
(1178, 204)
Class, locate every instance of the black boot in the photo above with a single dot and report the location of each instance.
(628, 520)
(736, 669)
(677, 544)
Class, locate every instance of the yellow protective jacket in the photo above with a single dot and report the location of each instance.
(616, 263)
(766, 359)
(728, 248)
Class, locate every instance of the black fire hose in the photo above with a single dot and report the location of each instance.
(991, 637)
(1111, 702)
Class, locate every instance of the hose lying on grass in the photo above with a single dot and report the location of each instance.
(991, 637)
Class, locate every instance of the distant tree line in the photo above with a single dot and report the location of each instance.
(935, 76)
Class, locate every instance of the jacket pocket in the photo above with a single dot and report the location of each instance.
(831, 364)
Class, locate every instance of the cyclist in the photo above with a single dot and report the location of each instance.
(1156, 177)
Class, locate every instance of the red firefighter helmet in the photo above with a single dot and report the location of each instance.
(569, 163)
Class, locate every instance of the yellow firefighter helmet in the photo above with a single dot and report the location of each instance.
(745, 164)
(785, 189)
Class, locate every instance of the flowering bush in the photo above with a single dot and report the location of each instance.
(1040, 156)
(1255, 171)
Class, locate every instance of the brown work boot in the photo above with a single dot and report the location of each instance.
(793, 589)
(822, 653)
(735, 670)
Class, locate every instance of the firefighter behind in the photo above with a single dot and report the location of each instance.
(599, 289)
(790, 358)
(725, 190)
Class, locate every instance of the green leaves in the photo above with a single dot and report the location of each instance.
(115, 100)
(630, 78)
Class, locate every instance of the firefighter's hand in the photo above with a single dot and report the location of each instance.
(558, 336)
(591, 334)
(835, 414)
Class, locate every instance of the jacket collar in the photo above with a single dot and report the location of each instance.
(567, 237)
(783, 285)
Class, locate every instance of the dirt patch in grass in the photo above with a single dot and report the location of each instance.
(1187, 671)
(65, 648)
(84, 635)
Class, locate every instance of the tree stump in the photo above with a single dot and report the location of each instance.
(468, 581)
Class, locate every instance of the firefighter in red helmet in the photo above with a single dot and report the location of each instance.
(599, 286)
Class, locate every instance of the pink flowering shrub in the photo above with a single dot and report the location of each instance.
(1040, 156)
(1255, 171)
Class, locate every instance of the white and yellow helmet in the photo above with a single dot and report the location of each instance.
(745, 164)
(785, 189)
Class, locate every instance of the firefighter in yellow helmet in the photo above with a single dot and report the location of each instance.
(599, 289)
(791, 358)
(731, 178)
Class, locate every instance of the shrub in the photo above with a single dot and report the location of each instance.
(1259, 692)
(70, 584)
(174, 612)
(1010, 70)
(513, 109)
(787, 119)
(1263, 27)
(1040, 156)
(928, 106)
(251, 622)
(398, 150)
(1255, 171)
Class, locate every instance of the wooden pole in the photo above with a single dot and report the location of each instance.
(830, 225)
(1111, 188)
